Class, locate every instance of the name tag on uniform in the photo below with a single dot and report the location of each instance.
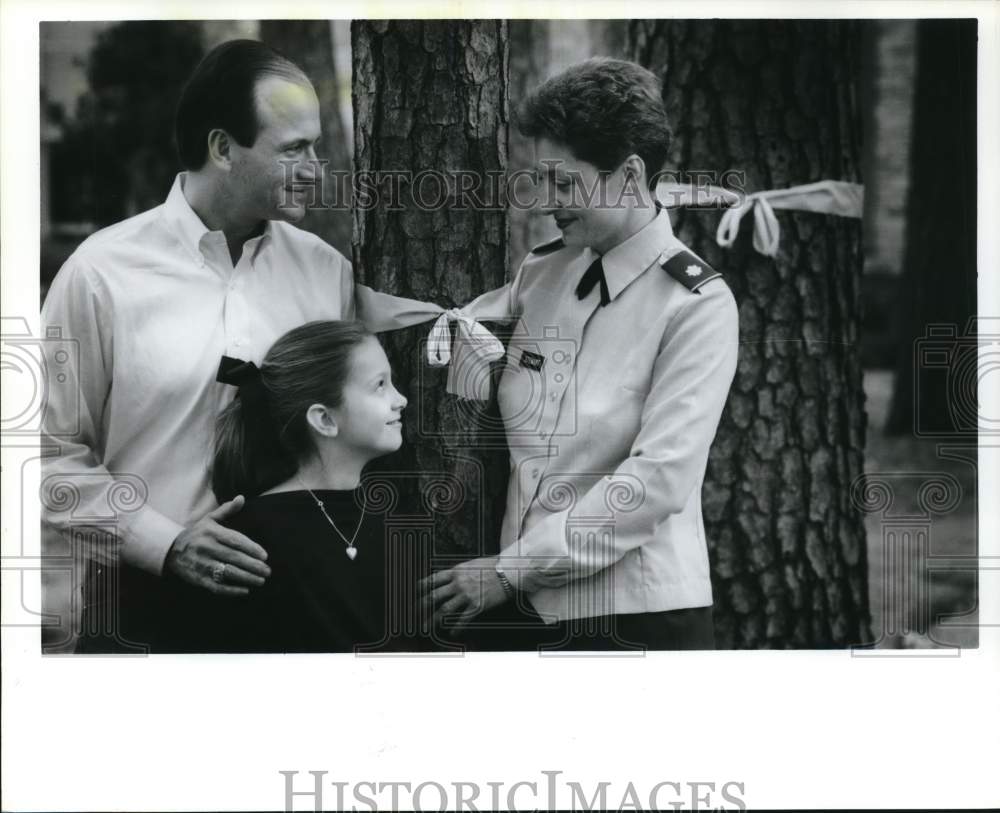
(532, 361)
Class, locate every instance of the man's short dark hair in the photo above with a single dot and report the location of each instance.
(221, 94)
(604, 110)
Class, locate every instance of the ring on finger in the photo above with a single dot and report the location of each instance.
(218, 572)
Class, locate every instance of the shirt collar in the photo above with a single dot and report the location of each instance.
(189, 228)
(181, 218)
(626, 261)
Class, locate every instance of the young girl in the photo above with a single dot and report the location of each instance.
(293, 443)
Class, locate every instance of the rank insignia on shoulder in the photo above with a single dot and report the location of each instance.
(549, 247)
(532, 361)
(690, 271)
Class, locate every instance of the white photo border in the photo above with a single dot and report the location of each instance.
(798, 729)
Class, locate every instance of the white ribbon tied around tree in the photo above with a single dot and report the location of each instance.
(823, 197)
(475, 347)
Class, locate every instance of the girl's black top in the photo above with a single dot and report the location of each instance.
(316, 599)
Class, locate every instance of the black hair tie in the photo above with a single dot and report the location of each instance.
(246, 376)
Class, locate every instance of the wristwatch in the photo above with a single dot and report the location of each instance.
(508, 588)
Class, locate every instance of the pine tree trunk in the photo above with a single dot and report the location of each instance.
(777, 100)
(432, 96)
(309, 43)
(939, 271)
(529, 63)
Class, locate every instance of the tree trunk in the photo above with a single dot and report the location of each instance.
(529, 64)
(309, 43)
(610, 38)
(939, 271)
(432, 96)
(778, 101)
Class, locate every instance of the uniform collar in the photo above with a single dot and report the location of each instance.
(193, 234)
(626, 261)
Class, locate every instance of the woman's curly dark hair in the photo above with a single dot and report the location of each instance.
(604, 110)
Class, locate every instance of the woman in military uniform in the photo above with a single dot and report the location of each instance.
(623, 351)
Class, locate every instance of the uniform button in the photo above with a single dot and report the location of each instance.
(534, 473)
(559, 378)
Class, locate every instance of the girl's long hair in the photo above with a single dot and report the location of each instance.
(262, 437)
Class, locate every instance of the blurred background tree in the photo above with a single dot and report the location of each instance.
(939, 280)
(117, 157)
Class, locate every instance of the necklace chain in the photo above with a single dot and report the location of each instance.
(352, 551)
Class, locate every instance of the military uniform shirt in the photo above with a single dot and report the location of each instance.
(609, 414)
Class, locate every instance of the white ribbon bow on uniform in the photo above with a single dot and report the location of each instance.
(469, 356)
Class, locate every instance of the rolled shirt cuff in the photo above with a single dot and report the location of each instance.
(147, 539)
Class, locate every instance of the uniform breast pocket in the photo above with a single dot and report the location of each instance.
(616, 424)
(637, 379)
(632, 393)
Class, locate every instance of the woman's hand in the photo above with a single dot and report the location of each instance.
(460, 594)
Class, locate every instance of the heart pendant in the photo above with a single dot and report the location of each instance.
(352, 552)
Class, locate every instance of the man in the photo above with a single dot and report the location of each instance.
(617, 374)
(155, 301)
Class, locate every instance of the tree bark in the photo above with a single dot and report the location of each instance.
(777, 100)
(939, 271)
(529, 64)
(432, 96)
(309, 43)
